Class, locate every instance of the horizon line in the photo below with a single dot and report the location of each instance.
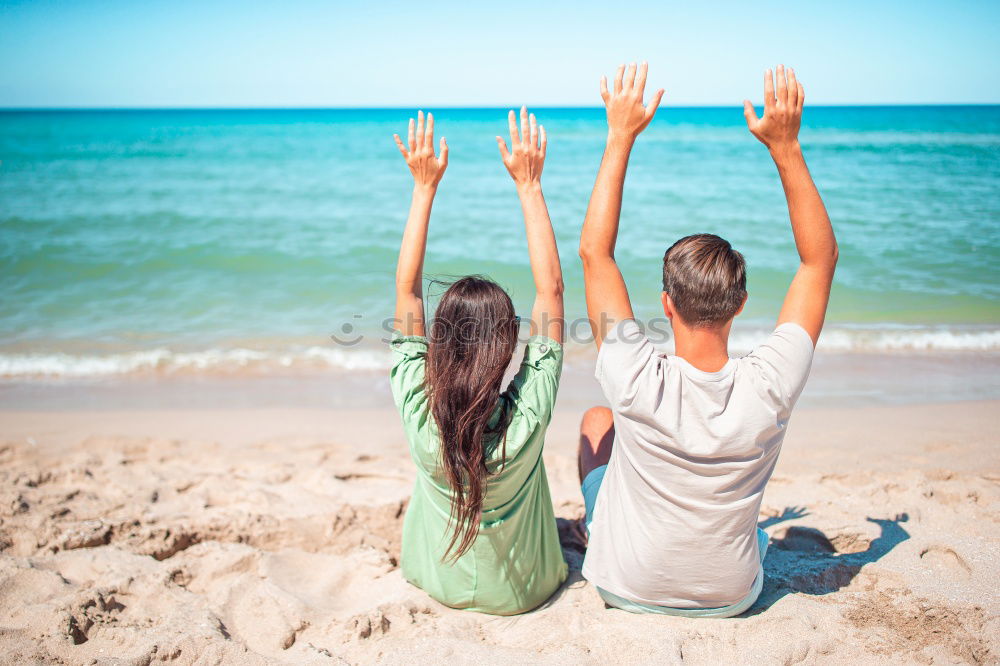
(395, 107)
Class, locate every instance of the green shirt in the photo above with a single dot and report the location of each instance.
(516, 562)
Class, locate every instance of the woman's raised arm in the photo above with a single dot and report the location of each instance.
(524, 161)
(427, 170)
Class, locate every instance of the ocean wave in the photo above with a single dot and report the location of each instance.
(240, 361)
(885, 340)
(912, 340)
(163, 361)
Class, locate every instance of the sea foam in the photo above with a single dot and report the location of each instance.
(162, 361)
(240, 361)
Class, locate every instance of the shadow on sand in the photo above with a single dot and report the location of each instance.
(803, 560)
(806, 560)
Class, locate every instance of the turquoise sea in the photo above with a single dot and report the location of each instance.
(190, 241)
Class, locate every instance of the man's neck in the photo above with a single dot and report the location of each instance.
(705, 348)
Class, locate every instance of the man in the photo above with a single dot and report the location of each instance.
(673, 473)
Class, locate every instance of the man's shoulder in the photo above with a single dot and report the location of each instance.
(789, 343)
(781, 364)
(625, 350)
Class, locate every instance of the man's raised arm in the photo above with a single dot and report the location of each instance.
(807, 298)
(607, 296)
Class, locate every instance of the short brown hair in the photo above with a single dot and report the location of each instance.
(706, 279)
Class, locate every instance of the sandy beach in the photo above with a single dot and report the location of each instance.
(215, 218)
(272, 536)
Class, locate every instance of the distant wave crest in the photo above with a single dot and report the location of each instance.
(240, 361)
(163, 361)
(940, 340)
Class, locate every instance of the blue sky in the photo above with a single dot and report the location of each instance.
(149, 53)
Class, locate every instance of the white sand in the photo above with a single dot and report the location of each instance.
(273, 537)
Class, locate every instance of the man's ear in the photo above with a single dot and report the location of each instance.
(668, 305)
(742, 305)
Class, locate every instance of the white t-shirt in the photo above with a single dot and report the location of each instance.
(676, 515)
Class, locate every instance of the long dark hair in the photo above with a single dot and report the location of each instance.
(472, 340)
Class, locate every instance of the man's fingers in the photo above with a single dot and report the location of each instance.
(504, 153)
(604, 89)
(512, 124)
(525, 135)
(420, 129)
(654, 104)
(410, 137)
(802, 95)
(640, 79)
(768, 91)
(402, 148)
(429, 133)
(533, 125)
(543, 139)
(629, 77)
(781, 91)
(793, 90)
(750, 114)
(444, 153)
(618, 78)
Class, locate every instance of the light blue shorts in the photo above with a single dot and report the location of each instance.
(591, 485)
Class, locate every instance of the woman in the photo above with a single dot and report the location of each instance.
(479, 533)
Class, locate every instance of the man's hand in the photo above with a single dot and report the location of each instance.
(427, 169)
(779, 128)
(607, 296)
(807, 297)
(526, 158)
(627, 116)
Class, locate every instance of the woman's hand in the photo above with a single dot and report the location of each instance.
(427, 169)
(524, 162)
(527, 155)
(779, 128)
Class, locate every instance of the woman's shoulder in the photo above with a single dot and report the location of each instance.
(409, 346)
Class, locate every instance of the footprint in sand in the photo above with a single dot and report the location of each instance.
(263, 616)
(405, 617)
(942, 557)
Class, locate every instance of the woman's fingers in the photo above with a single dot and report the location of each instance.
(402, 148)
(525, 134)
(618, 78)
(420, 129)
(529, 137)
(604, 89)
(444, 153)
(411, 137)
(543, 139)
(504, 153)
(429, 135)
(781, 93)
(512, 124)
